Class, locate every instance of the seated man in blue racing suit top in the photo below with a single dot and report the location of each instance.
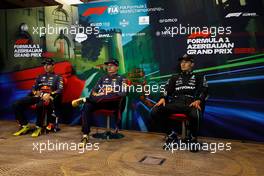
(48, 87)
(110, 87)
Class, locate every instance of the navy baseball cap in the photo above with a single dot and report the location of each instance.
(186, 57)
(48, 61)
(112, 61)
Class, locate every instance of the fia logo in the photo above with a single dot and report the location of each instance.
(113, 10)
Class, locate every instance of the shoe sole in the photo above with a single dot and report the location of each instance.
(21, 133)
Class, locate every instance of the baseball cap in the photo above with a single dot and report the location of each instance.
(112, 61)
(48, 61)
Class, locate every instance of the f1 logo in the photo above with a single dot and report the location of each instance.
(22, 41)
(233, 15)
(95, 10)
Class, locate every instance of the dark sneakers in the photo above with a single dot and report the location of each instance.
(190, 143)
(84, 141)
(171, 139)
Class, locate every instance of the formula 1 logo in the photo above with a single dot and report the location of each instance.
(239, 14)
(199, 35)
(233, 15)
(22, 42)
(95, 11)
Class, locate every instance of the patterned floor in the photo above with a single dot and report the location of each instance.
(136, 154)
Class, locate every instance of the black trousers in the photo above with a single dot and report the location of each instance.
(91, 105)
(20, 106)
(160, 114)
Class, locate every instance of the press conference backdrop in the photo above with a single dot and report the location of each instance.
(147, 36)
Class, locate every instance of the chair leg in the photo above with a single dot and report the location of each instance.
(108, 126)
(183, 129)
(187, 129)
(107, 134)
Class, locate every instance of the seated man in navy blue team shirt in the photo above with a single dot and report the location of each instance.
(106, 94)
(48, 88)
